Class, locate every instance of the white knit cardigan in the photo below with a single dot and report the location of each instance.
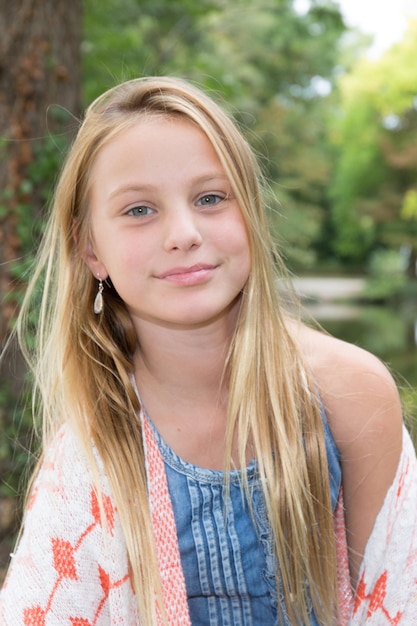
(70, 570)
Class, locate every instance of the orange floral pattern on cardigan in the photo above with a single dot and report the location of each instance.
(386, 594)
(63, 572)
(70, 569)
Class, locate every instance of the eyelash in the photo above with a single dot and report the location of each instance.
(217, 196)
(145, 211)
(141, 208)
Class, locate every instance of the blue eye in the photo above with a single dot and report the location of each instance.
(140, 211)
(209, 199)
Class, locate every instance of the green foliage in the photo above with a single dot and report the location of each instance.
(296, 226)
(15, 443)
(376, 138)
(387, 275)
(34, 191)
(409, 207)
(135, 38)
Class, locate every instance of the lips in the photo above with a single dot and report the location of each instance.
(194, 274)
(176, 271)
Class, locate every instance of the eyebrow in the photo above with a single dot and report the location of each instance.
(129, 188)
(205, 178)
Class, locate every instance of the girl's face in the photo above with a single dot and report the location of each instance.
(166, 227)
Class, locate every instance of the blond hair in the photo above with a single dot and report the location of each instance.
(83, 364)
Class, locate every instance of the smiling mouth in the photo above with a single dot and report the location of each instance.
(195, 274)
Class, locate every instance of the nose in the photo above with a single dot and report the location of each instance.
(181, 231)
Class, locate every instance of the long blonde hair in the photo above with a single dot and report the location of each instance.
(82, 364)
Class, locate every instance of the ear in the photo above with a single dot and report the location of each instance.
(96, 266)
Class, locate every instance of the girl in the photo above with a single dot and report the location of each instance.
(197, 440)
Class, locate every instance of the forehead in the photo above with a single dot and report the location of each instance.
(155, 152)
(154, 139)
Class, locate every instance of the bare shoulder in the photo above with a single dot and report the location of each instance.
(364, 412)
(358, 391)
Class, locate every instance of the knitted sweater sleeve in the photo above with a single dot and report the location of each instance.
(387, 590)
(69, 569)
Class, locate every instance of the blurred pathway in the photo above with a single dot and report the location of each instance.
(329, 289)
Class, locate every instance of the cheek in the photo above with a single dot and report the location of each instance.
(236, 239)
(231, 231)
(124, 256)
(243, 249)
(235, 244)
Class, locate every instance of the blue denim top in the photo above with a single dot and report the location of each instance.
(227, 558)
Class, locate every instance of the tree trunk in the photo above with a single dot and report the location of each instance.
(39, 77)
(39, 80)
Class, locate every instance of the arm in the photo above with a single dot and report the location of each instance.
(364, 413)
(386, 592)
(366, 420)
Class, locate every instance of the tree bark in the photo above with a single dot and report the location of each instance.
(39, 77)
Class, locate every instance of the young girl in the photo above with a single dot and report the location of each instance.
(197, 441)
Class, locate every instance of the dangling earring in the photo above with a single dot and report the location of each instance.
(98, 302)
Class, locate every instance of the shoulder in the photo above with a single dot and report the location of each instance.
(358, 391)
(63, 498)
(364, 412)
(64, 469)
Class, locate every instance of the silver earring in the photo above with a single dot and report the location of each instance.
(98, 302)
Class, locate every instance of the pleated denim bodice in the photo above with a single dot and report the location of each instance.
(226, 552)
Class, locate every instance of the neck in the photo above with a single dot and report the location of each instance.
(180, 377)
(182, 382)
(185, 363)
